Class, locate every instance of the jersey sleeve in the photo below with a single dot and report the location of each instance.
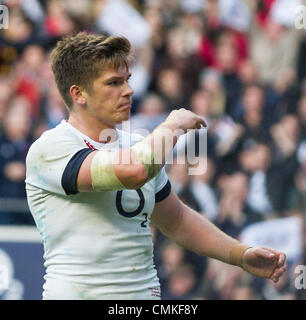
(162, 185)
(53, 163)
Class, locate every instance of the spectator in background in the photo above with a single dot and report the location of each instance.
(273, 38)
(224, 49)
(234, 212)
(14, 145)
(182, 284)
(170, 88)
(180, 182)
(21, 31)
(6, 91)
(220, 281)
(28, 77)
(179, 178)
(201, 103)
(171, 257)
(140, 70)
(248, 73)
(151, 112)
(203, 193)
(210, 80)
(256, 161)
(26, 29)
(53, 107)
(59, 21)
(285, 139)
(252, 117)
(227, 136)
(153, 14)
(227, 63)
(179, 270)
(180, 54)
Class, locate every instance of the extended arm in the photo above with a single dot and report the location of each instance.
(194, 232)
(191, 230)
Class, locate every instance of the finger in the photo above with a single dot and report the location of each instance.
(202, 122)
(275, 277)
(265, 253)
(281, 256)
(277, 274)
(281, 260)
(272, 250)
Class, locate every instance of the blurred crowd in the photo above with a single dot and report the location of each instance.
(238, 63)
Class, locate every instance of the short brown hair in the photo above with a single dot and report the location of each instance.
(79, 59)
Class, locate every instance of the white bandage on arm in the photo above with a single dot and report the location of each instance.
(145, 155)
(103, 176)
(102, 171)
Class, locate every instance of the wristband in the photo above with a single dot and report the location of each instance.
(236, 254)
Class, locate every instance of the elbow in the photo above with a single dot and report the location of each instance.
(132, 177)
(138, 176)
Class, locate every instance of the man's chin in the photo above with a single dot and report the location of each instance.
(125, 116)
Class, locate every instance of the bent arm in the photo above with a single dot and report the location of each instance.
(129, 176)
(136, 165)
(127, 168)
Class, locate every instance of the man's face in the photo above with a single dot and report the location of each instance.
(109, 99)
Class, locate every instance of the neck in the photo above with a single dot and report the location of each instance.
(90, 126)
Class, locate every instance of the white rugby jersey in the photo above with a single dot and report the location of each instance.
(97, 245)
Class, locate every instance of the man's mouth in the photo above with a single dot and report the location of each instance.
(126, 105)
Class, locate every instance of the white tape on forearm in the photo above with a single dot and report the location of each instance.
(103, 176)
(145, 155)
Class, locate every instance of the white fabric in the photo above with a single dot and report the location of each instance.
(285, 12)
(91, 250)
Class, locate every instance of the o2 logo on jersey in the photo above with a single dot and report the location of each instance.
(137, 211)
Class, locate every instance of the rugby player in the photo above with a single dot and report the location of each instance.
(92, 207)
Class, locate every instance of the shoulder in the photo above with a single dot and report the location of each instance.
(59, 140)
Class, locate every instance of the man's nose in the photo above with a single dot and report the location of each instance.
(128, 91)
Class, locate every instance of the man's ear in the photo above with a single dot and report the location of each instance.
(77, 94)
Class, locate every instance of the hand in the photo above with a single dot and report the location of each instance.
(185, 119)
(264, 262)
